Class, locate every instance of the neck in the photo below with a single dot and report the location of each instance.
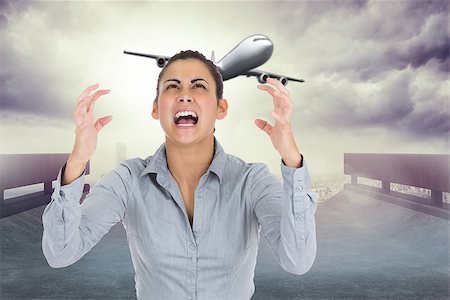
(187, 163)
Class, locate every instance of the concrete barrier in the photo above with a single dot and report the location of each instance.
(19, 170)
(430, 171)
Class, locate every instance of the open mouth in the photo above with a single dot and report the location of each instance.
(186, 118)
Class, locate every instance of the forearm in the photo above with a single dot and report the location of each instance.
(287, 219)
(71, 229)
(298, 246)
(61, 219)
(298, 228)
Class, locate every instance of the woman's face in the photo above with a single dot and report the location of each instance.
(187, 106)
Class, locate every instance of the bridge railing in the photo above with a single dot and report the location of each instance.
(430, 171)
(20, 170)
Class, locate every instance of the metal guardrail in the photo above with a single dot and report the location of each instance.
(18, 170)
(430, 171)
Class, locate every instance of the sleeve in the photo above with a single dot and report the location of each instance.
(71, 229)
(286, 216)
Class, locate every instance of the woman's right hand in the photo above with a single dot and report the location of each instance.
(86, 129)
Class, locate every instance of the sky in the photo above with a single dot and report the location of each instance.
(376, 74)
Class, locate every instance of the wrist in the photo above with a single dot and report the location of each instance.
(72, 171)
(293, 161)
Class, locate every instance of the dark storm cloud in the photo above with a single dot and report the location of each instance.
(30, 82)
(376, 46)
(382, 64)
(430, 122)
(418, 55)
(431, 42)
(366, 63)
(26, 87)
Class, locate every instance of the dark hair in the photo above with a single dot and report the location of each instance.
(213, 69)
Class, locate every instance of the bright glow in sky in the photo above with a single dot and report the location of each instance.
(375, 74)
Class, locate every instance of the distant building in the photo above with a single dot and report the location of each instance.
(121, 149)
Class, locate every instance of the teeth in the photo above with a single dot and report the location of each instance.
(185, 114)
(185, 125)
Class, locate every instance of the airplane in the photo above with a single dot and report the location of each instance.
(250, 53)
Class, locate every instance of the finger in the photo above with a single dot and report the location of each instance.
(264, 126)
(102, 122)
(279, 85)
(84, 110)
(286, 107)
(277, 103)
(282, 103)
(86, 91)
(97, 95)
(286, 101)
(268, 88)
(83, 105)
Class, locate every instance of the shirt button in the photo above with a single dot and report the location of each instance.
(193, 246)
(190, 275)
(299, 188)
(299, 217)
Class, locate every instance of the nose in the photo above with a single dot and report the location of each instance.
(185, 98)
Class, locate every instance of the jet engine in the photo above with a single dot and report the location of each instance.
(263, 78)
(283, 80)
(161, 62)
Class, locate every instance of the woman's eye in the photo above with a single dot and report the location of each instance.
(199, 85)
(171, 86)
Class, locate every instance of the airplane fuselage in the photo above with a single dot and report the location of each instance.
(248, 54)
(243, 60)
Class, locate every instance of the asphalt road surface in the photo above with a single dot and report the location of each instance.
(367, 249)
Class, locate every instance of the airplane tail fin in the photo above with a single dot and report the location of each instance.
(213, 58)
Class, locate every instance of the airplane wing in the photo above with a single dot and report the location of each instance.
(262, 76)
(161, 60)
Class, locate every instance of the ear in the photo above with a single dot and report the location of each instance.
(155, 113)
(222, 109)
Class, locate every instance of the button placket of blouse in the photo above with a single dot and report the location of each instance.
(192, 272)
(193, 251)
(198, 205)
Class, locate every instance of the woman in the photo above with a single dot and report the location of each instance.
(192, 213)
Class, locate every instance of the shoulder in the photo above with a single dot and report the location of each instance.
(255, 178)
(136, 163)
(132, 167)
(235, 165)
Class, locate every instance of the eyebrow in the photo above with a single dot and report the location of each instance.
(192, 81)
(176, 80)
(198, 79)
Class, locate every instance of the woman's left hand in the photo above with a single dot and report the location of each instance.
(281, 133)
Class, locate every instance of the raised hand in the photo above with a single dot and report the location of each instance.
(86, 132)
(281, 133)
